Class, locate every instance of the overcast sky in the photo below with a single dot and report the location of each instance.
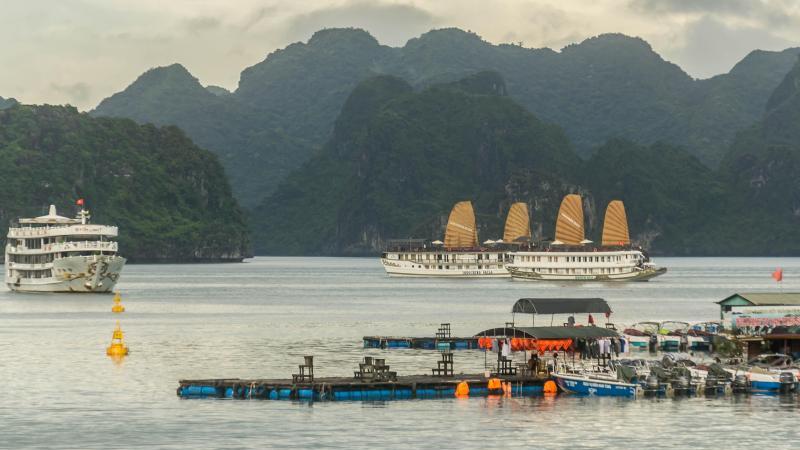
(80, 51)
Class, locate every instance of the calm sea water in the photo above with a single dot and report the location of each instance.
(257, 319)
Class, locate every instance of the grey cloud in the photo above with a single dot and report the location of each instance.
(257, 16)
(77, 93)
(693, 6)
(777, 13)
(712, 47)
(391, 23)
(197, 25)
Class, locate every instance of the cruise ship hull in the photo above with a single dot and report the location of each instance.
(637, 275)
(83, 274)
(408, 269)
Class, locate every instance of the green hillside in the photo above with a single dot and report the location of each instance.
(170, 199)
(255, 154)
(399, 159)
(763, 167)
(610, 86)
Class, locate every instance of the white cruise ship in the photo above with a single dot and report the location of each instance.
(460, 255)
(57, 254)
(571, 257)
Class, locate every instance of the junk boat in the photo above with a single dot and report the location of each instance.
(53, 253)
(460, 255)
(572, 257)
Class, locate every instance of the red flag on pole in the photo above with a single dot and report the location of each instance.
(778, 274)
(79, 202)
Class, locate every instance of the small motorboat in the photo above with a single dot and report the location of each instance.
(624, 384)
(768, 373)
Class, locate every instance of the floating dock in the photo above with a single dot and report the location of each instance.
(423, 343)
(443, 341)
(343, 388)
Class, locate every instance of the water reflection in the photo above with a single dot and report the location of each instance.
(259, 319)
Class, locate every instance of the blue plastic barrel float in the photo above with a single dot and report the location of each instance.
(198, 391)
(399, 343)
(305, 394)
(284, 394)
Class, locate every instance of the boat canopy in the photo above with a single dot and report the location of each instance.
(615, 225)
(51, 218)
(461, 231)
(551, 332)
(518, 223)
(561, 306)
(569, 224)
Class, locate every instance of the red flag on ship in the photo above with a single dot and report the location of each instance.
(778, 274)
(79, 202)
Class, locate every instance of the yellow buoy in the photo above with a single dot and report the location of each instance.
(117, 348)
(117, 308)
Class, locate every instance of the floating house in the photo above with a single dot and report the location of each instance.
(760, 312)
(779, 341)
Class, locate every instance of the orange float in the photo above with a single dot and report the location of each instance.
(550, 387)
(462, 389)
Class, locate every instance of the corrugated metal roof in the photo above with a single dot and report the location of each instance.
(765, 298)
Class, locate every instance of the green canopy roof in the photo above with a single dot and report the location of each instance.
(561, 306)
(551, 332)
(762, 299)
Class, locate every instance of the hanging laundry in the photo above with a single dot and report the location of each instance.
(507, 348)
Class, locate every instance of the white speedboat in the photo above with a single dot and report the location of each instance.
(53, 253)
(571, 257)
(769, 373)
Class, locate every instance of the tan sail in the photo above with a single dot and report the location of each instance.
(569, 224)
(518, 223)
(461, 231)
(615, 225)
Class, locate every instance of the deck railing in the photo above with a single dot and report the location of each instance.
(68, 230)
(106, 246)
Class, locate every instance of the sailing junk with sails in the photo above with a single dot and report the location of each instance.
(569, 257)
(518, 224)
(459, 256)
(461, 231)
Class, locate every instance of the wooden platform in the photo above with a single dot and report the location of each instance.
(343, 388)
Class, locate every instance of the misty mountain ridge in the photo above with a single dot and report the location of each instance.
(399, 158)
(7, 102)
(605, 87)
